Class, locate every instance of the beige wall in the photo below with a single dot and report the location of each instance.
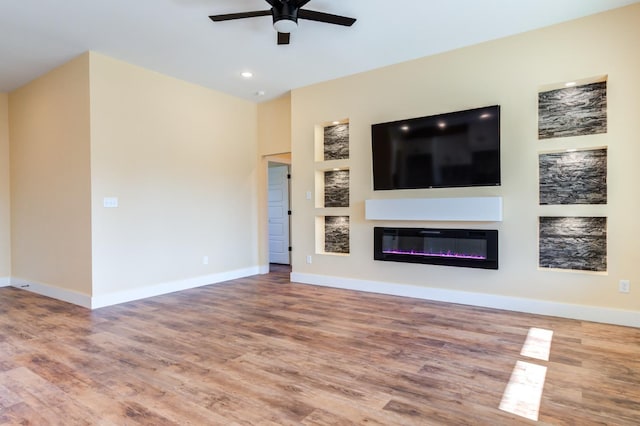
(50, 179)
(5, 224)
(183, 162)
(274, 126)
(508, 72)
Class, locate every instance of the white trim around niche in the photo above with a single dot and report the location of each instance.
(473, 209)
(518, 304)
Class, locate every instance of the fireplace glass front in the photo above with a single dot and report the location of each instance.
(471, 248)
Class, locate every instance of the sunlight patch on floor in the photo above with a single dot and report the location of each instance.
(538, 344)
(523, 393)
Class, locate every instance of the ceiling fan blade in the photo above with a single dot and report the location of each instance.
(312, 15)
(241, 15)
(283, 38)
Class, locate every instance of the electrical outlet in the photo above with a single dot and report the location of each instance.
(309, 259)
(623, 286)
(205, 260)
(110, 202)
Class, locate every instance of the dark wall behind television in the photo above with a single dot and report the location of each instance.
(447, 150)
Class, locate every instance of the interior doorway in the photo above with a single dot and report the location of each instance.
(279, 210)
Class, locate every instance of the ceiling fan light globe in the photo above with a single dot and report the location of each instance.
(285, 25)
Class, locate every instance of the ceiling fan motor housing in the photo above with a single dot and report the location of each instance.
(285, 17)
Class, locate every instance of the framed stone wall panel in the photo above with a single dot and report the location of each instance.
(578, 177)
(336, 234)
(575, 243)
(336, 142)
(573, 111)
(336, 188)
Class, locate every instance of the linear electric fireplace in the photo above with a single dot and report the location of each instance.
(470, 248)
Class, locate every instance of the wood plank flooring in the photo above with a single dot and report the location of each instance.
(264, 351)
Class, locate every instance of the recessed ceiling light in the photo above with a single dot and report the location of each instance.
(335, 122)
(260, 93)
(247, 74)
(404, 128)
(570, 83)
(571, 150)
(442, 124)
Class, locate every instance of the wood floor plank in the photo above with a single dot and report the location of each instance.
(264, 351)
(23, 414)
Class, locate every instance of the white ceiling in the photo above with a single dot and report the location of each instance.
(176, 38)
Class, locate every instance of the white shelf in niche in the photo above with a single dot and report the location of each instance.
(467, 209)
(331, 164)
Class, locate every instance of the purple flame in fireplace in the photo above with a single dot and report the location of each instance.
(441, 254)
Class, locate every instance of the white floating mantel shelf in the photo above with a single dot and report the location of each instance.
(467, 209)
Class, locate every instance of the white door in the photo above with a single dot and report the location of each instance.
(279, 214)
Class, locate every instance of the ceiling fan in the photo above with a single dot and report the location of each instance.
(285, 15)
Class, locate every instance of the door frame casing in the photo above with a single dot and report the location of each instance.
(263, 226)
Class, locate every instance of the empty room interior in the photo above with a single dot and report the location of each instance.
(343, 220)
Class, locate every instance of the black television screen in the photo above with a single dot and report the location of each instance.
(447, 150)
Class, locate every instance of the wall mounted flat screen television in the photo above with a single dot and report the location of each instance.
(440, 151)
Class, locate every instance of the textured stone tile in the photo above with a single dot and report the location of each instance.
(578, 177)
(336, 234)
(336, 188)
(336, 142)
(578, 243)
(573, 111)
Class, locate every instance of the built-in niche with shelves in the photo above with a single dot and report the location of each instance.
(570, 176)
(332, 175)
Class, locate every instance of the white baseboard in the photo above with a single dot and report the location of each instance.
(5, 281)
(109, 299)
(532, 306)
(102, 300)
(65, 295)
(264, 269)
